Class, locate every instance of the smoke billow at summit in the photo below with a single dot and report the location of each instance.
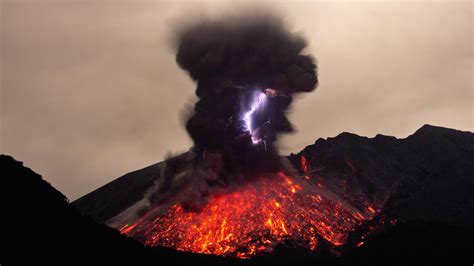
(246, 70)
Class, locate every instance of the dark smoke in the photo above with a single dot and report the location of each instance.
(231, 60)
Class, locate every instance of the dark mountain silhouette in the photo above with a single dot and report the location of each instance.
(40, 225)
(425, 182)
(427, 176)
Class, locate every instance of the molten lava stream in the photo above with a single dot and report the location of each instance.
(250, 220)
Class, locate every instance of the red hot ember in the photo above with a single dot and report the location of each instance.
(251, 220)
(304, 164)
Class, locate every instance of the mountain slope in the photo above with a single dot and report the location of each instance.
(427, 174)
(430, 170)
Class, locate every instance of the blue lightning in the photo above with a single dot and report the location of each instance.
(258, 101)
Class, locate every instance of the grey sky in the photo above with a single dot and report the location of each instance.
(90, 89)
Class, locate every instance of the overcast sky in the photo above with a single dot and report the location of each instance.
(90, 89)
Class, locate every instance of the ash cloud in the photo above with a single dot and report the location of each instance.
(231, 60)
(234, 61)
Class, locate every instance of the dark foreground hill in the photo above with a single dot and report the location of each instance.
(40, 225)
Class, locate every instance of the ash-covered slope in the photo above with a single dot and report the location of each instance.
(109, 200)
(428, 175)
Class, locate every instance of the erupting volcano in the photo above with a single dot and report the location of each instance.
(338, 195)
(232, 194)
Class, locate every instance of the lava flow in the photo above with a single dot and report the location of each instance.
(251, 220)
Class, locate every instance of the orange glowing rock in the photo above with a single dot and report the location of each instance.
(250, 220)
(304, 164)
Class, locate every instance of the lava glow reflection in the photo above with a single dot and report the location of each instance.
(251, 220)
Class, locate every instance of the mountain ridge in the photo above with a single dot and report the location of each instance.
(433, 204)
(367, 165)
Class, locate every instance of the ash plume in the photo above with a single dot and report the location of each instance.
(246, 70)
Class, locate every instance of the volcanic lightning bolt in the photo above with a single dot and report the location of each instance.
(257, 103)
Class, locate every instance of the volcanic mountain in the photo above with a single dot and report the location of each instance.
(342, 192)
(411, 199)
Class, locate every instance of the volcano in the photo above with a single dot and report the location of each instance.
(233, 195)
(336, 193)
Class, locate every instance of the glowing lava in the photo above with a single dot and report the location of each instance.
(251, 220)
(304, 164)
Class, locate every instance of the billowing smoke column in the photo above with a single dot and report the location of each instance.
(247, 70)
(232, 194)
